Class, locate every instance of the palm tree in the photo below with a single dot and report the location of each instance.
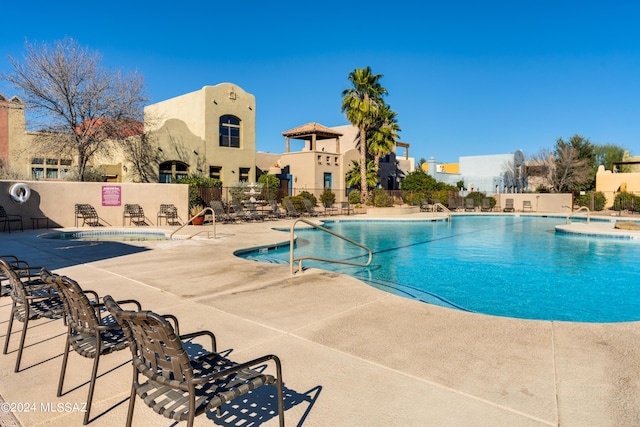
(382, 137)
(353, 175)
(360, 104)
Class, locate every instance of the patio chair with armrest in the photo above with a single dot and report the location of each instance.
(486, 205)
(178, 386)
(527, 206)
(169, 212)
(311, 211)
(253, 213)
(292, 212)
(88, 215)
(89, 333)
(345, 206)
(508, 206)
(7, 219)
(219, 211)
(276, 213)
(32, 299)
(135, 213)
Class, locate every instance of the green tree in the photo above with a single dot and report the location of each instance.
(83, 107)
(353, 175)
(270, 186)
(420, 181)
(383, 135)
(608, 154)
(360, 104)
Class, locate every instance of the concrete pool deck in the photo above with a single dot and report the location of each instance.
(352, 355)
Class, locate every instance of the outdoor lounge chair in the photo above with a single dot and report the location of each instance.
(292, 212)
(469, 205)
(486, 205)
(7, 219)
(32, 300)
(345, 207)
(88, 215)
(135, 214)
(253, 213)
(453, 204)
(89, 333)
(239, 212)
(170, 214)
(526, 206)
(311, 211)
(276, 213)
(220, 214)
(180, 387)
(508, 206)
(329, 209)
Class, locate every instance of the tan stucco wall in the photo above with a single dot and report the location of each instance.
(541, 202)
(611, 183)
(56, 200)
(187, 130)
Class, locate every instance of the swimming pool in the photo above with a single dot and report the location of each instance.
(107, 235)
(513, 266)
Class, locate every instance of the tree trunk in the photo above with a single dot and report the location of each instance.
(364, 189)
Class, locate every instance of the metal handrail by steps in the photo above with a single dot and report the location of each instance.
(202, 212)
(293, 259)
(581, 208)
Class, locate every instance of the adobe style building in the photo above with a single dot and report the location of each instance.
(210, 132)
(324, 158)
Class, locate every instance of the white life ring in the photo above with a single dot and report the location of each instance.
(20, 192)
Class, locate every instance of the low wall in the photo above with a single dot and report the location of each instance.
(56, 200)
(540, 202)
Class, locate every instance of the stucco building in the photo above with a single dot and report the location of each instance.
(323, 159)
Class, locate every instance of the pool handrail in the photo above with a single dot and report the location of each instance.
(293, 259)
(202, 212)
(443, 208)
(581, 208)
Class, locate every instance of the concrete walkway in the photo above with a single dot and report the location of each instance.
(352, 355)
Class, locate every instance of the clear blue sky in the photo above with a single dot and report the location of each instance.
(465, 77)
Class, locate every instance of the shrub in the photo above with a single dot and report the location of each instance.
(626, 201)
(308, 196)
(297, 203)
(477, 197)
(381, 199)
(354, 197)
(327, 198)
(599, 200)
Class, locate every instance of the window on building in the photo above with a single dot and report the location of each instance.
(244, 174)
(171, 171)
(215, 172)
(327, 180)
(52, 162)
(37, 173)
(65, 162)
(52, 173)
(37, 161)
(229, 131)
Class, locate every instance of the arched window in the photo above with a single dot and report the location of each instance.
(229, 131)
(171, 171)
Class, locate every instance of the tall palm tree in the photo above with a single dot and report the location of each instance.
(360, 104)
(383, 135)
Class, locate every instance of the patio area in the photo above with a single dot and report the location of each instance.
(351, 355)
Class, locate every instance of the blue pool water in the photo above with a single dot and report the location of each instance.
(500, 265)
